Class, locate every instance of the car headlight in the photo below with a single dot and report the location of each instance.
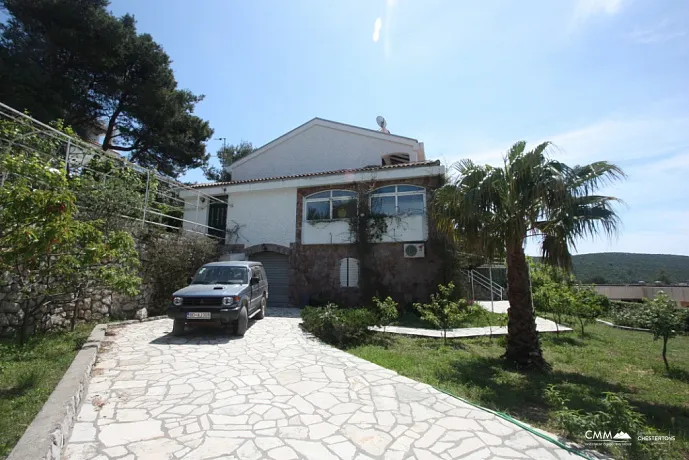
(177, 301)
(230, 300)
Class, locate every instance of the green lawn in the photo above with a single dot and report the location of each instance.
(28, 375)
(476, 318)
(607, 359)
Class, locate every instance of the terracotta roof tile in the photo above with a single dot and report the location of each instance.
(324, 173)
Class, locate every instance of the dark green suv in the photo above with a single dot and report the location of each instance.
(226, 292)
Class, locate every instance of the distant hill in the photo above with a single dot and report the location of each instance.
(623, 267)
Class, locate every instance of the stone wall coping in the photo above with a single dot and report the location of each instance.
(48, 433)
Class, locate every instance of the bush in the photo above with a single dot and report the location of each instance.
(385, 311)
(617, 415)
(631, 314)
(170, 259)
(338, 326)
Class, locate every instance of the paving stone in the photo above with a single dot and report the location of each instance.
(276, 393)
(283, 453)
(155, 449)
(372, 441)
(124, 433)
(84, 432)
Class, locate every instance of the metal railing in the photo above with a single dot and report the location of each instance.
(477, 278)
(78, 157)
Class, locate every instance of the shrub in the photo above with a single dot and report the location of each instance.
(338, 326)
(616, 415)
(443, 312)
(385, 311)
(170, 259)
(631, 314)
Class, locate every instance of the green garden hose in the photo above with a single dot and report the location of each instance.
(504, 416)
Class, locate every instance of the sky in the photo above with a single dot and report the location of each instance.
(601, 79)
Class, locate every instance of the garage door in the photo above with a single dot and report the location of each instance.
(277, 269)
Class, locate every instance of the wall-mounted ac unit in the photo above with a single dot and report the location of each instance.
(414, 251)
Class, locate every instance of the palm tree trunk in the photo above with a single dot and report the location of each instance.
(523, 346)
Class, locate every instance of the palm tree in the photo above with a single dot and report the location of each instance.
(495, 209)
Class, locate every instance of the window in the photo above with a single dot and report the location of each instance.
(349, 272)
(333, 204)
(396, 200)
(221, 275)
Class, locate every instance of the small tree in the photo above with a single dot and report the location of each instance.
(44, 249)
(666, 320)
(385, 311)
(443, 312)
(552, 292)
(588, 305)
(97, 259)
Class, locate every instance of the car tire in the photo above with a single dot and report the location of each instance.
(178, 327)
(262, 309)
(242, 323)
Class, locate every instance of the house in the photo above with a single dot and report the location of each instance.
(333, 211)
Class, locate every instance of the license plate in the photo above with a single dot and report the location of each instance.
(199, 315)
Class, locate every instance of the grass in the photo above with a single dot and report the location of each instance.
(605, 360)
(28, 375)
(477, 317)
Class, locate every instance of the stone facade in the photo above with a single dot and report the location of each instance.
(316, 274)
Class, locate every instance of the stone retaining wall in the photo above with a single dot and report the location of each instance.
(96, 306)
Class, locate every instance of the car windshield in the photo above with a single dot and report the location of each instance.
(221, 275)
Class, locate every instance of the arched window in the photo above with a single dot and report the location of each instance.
(329, 205)
(349, 272)
(398, 200)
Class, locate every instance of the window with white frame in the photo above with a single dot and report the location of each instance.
(398, 200)
(349, 272)
(330, 205)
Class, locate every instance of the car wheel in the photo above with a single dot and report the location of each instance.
(262, 311)
(178, 327)
(242, 323)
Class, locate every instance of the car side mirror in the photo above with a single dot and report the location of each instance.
(254, 280)
(189, 280)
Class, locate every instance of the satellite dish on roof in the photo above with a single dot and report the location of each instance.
(381, 122)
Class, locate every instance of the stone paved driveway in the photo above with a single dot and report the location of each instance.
(274, 394)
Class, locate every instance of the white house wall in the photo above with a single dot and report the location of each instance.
(196, 216)
(402, 229)
(326, 232)
(267, 216)
(317, 149)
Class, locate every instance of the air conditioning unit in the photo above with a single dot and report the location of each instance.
(414, 250)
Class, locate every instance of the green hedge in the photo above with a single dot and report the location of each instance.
(635, 314)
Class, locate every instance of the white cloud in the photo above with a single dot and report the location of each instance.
(585, 9)
(654, 152)
(661, 33)
(376, 29)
